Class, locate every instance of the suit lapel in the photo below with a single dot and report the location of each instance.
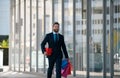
(52, 37)
(58, 37)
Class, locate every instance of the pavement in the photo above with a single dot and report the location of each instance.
(11, 74)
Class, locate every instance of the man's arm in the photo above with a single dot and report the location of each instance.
(43, 43)
(64, 49)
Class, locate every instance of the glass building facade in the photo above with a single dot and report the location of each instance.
(91, 29)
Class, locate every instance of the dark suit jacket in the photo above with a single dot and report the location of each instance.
(58, 48)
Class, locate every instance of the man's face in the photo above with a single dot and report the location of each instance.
(56, 28)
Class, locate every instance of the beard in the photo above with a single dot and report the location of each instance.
(55, 30)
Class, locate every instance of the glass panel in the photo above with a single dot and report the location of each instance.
(22, 35)
(27, 57)
(48, 22)
(116, 38)
(80, 40)
(58, 12)
(17, 37)
(12, 42)
(68, 27)
(108, 39)
(48, 16)
(40, 34)
(57, 15)
(33, 60)
(96, 41)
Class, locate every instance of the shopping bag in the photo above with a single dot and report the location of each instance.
(67, 70)
(64, 63)
(48, 51)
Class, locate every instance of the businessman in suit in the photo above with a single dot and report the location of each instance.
(56, 42)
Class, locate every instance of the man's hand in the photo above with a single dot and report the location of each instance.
(45, 53)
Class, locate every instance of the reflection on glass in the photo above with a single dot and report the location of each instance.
(12, 43)
(22, 36)
(96, 40)
(96, 51)
(80, 40)
(68, 27)
(116, 37)
(17, 38)
(40, 35)
(27, 57)
(58, 12)
(33, 33)
(48, 16)
(48, 22)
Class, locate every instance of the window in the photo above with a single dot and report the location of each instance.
(95, 21)
(66, 10)
(56, 1)
(107, 10)
(95, 31)
(99, 31)
(78, 1)
(97, 10)
(117, 8)
(107, 31)
(34, 16)
(78, 31)
(33, 25)
(77, 22)
(101, 21)
(47, 16)
(98, 21)
(66, 1)
(82, 22)
(119, 20)
(78, 10)
(107, 21)
(68, 22)
(68, 32)
(115, 20)
(84, 32)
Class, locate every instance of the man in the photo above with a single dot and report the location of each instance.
(56, 42)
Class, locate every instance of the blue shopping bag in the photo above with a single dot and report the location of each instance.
(64, 63)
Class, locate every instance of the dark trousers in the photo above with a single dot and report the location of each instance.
(51, 62)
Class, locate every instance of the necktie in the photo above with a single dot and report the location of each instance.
(55, 37)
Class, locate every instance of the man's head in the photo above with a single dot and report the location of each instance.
(56, 27)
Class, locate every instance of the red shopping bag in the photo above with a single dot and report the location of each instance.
(67, 70)
(63, 72)
(48, 51)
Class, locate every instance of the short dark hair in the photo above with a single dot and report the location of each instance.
(56, 23)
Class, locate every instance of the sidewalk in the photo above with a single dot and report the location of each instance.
(11, 74)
